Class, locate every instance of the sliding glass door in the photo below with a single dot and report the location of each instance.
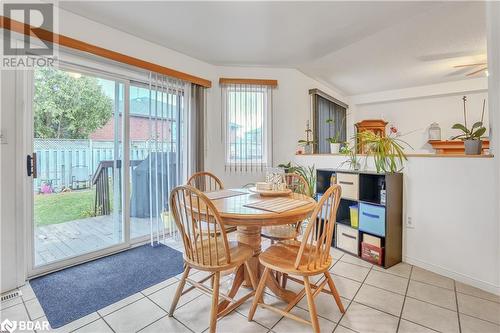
(77, 145)
(87, 125)
(155, 157)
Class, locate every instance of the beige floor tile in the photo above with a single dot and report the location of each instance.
(195, 314)
(99, 326)
(77, 323)
(336, 253)
(235, 322)
(347, 288)
(262, 316)
(363, 319)
(14, 313)
(135, 316)
(351, 271)
(158, 286)
(387, 281)
(473, 291)
(355, 260)
(166, 324)
(402, 269)
(342, 329)
(380, 299)
(287, 325)
(34, 308)
(408, 327)
(164, 297)
(431, 316)
(326, 306)
(27, 292)
(422, 275)
(432, 294)
(475, 325)
(120, 304)
(479, 308)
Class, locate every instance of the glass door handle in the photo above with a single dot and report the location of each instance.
(31, 165)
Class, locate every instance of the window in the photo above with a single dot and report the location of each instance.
(329, 116)
(248, 122)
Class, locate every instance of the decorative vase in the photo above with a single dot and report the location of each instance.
(434, 132)
(473, 147)
(334, 148)
(308, 149)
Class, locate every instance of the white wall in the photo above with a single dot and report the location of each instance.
(291, 108)
(450, 201)
(413, 115)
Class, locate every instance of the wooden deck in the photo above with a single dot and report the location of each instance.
(59, 241)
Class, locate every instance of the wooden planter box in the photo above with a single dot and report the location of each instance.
(453, 147)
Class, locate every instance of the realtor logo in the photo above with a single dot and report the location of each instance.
(33, 15)
(24, 325)
(27, 34)
(8, 326)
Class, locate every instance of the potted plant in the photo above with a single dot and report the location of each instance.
(352, 161)
(334, 141)
(309, 174)
(308, 143)
(471, 137)
(388, 151)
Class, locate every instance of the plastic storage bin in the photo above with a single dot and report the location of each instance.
(354, 216)
(372, 219)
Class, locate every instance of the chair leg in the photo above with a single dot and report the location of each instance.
(258, 294)
(284, 280)
(215, 302)
(251, 275)
(179, 290)
(311, 305)
(334, 291)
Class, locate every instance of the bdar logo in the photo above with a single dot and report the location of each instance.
(8, 326)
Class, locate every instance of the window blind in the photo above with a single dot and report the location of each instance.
(247, 126)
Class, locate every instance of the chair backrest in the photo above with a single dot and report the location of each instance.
(317, 239)
(191, 209)
(205, 182)
(297, 183)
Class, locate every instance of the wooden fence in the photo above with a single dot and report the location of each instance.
(60, 162)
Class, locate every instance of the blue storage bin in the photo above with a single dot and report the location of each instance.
(372, 219)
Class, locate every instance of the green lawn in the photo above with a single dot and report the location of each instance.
(63, 207)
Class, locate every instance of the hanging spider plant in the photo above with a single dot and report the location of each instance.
(388, 151)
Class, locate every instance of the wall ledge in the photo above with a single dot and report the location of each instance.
(410, 155)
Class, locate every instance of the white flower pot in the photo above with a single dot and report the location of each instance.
(334, 148)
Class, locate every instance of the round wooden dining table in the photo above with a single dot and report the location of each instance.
(249, 221)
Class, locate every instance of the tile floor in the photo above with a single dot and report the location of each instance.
(403, 298)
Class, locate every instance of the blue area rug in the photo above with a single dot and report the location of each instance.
(77, 291)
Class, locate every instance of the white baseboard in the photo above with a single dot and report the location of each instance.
(484, 285)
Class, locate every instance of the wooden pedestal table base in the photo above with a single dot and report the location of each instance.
(251, 237)
(234, 212)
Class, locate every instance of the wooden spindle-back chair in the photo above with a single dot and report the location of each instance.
(210, 252)
(308, 257)
(297, 184)
(205, 182)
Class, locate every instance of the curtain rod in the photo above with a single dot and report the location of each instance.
(25, 29)
(328, 97)
(259, 82)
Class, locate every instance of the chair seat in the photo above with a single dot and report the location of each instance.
(281, 257)
(239, 254)
(279, 232)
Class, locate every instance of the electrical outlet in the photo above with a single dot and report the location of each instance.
(410, 223)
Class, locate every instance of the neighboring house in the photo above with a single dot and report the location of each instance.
(140, 122)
